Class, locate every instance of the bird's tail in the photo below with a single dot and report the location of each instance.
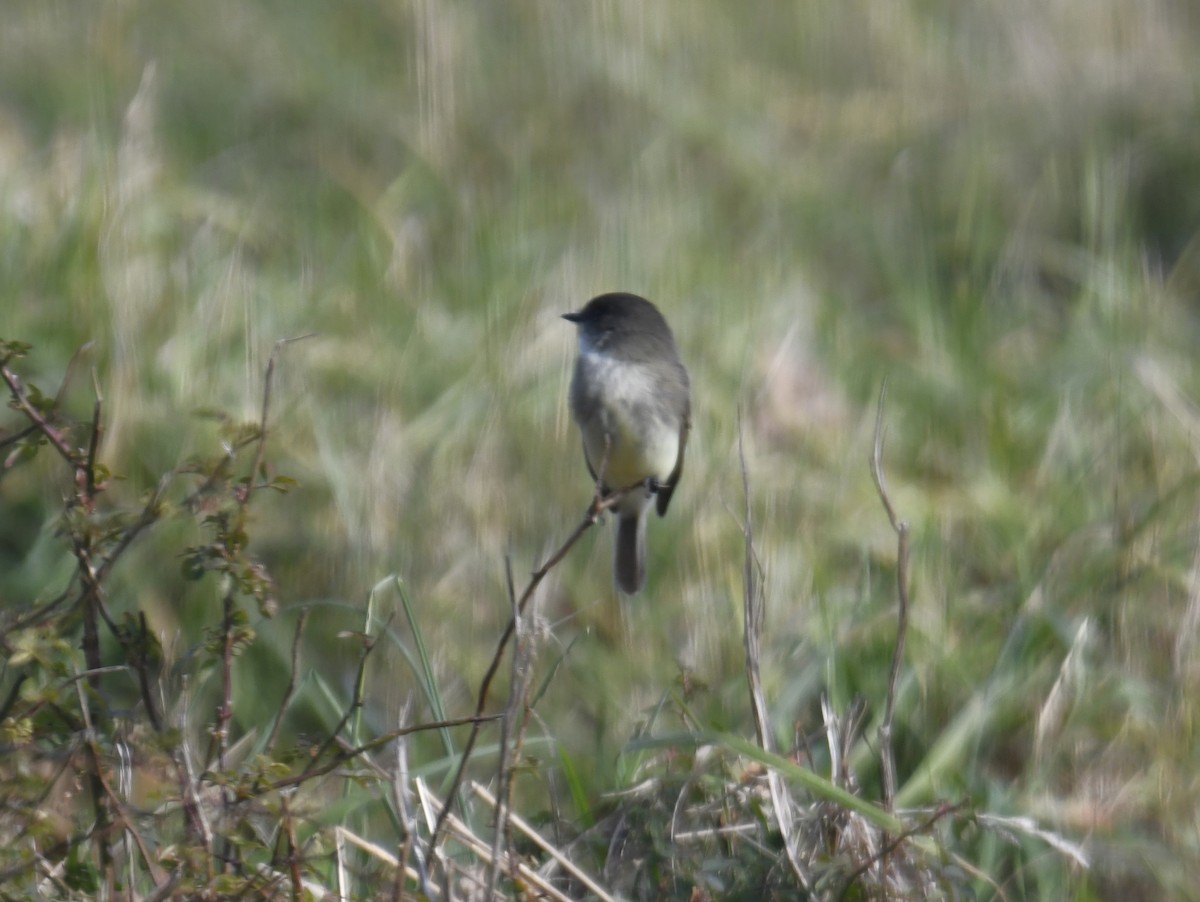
(629, 559)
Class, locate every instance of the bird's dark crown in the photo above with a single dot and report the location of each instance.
(619, 309)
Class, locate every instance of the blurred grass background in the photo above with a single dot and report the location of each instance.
(993, 205)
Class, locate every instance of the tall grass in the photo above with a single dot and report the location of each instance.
(992, 205)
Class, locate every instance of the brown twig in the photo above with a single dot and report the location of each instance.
(227, 850)
(228, 604)
(350, 753)
(600, 504)
(886, 750)
(91, 605)
(139, 665)
(58, 850)
(56, 438)
(14, 693)
(520, 870)
(38, 614)
(149, 516)
(268, 380)
(410, 844)
(753, 616)
(91, 598)
(513, 728)
(940, 812)
(93, 445)
(111, 804)
(233, 531)
(7, 440)
(92, 602)
(293, 679)
(85, 487)
(92, 579)
(356, 699)
(752, 608)
(293, 847)
(506, 726)
(225, 712)
(193, 807)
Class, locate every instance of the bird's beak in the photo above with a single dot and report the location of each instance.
(571, 317)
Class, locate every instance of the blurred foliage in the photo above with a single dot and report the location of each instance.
(995, 205)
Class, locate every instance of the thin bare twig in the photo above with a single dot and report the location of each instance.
(600, 504)
(293, 679)
(293, 847)
(14, 693)
(506, 726)
(268, 381)
(93, 443)
(411, 842)
(84, 467)
(149, 515)
(225, 713)
(193, 805)
(40, 613)
(351, 752)
(92, 576)
(7, 440)
(752, 608)
(886, 749)
(520, 711)
(92, 601)
(893, 844)
(140, 661)
(229, 602)
(61, 848)
(563, 861)
(91, 606)
(520, 870)
(356, 698)
(754, 611)
(56, 438)
(112, 804)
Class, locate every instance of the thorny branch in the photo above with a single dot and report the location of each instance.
(229, 602)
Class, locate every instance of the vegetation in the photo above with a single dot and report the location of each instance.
(245, 622)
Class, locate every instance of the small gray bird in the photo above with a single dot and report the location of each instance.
(631, 398)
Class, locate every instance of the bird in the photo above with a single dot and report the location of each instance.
(631, 398)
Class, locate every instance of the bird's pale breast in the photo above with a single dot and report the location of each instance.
(643, 433)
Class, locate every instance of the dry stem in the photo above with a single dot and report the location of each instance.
(600, 504)
(887, 752)
(754, 610)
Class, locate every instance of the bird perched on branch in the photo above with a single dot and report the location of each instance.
(631, 398)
